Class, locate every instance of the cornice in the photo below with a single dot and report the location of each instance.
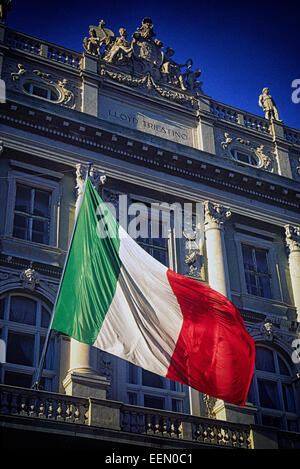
(197, 168)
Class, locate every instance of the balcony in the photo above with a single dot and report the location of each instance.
(37, 419)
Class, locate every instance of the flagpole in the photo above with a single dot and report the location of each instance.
(38, 374)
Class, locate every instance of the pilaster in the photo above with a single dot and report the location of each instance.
(281, 151)
(90, 97)
(206, 127)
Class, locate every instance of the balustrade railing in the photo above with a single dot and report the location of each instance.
(41, 404)
(291, 135)
(23, 402)
(35, 46)
(183, 426)
(237, 116)
(224, 112)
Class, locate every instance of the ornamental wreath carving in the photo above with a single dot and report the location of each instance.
(143, 55)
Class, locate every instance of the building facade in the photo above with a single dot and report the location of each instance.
(153, 137)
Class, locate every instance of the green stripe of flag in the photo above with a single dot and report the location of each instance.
(91, 273)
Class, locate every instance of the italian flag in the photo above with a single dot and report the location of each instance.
(118, 298)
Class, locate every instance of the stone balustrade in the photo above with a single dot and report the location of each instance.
(25, 43)
(291, 135)
(134, 420)
(40, 404)
(237, 116)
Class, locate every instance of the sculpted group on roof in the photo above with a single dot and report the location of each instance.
(142, 56)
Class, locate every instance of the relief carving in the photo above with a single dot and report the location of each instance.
(261, 159)
(65, 95)
(29, 278)
(215, 214)
(292, 234)
(143, 61)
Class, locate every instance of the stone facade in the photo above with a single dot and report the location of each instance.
(150, 132)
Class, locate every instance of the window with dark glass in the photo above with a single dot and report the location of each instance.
(32, 214)
(23, 324)
(248, 158)
(257, 276)
(272, 391)
(151, 390)
(41, 91)
(157, 247)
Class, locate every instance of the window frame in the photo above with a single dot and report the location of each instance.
(166, 393)
(33, 182)
(36, 330)
(44, 86)
(249, 155)
(280, 380)
(255, 272)
(259, 243)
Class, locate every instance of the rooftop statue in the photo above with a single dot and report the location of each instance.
(143, 56)
(267, 103)
(5, 6)
(172, 70)
(118, 48)
(99, 36)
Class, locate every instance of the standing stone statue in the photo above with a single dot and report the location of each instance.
(267, 103)
(5, 6)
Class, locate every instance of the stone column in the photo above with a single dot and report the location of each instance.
(82, 378)
(216, 216)
(293, 243)
(218, 275)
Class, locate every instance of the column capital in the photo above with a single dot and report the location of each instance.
(215, 214)
(96, 176)
(292, 237)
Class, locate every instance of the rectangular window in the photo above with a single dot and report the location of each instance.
(32, 214)
(153, 401)
(156, 247)
(152, 379)
(257, 276)
(20, 349)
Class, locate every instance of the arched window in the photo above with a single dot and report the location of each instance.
(272, 391)
(23, 326)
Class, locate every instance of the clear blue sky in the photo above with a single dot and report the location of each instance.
(241, 46)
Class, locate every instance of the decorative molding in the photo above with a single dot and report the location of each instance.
(142, 62)
(229, 144)
(209, 403)
(66, 96)
(229, 180)
(292, 237)
(30, 278)
(215, 214)
(267, 330)
(192, 253)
